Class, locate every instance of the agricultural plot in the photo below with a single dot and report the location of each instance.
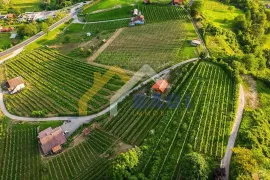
(20, 158)
(159, 45)
(55, 84)
(196, 119)
(83, 161)
(163, 13)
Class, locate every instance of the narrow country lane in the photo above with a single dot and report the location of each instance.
(225, 162)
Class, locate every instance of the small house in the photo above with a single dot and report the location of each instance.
(160, 86)
(15, 85)
(51, 140)
(195, 42)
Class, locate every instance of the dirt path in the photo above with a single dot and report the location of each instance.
(251, 95)
(225, 162)
(105, 45)
(131, 73)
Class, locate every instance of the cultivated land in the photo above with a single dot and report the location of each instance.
(170, 130)
(159, 45)
(55, 83)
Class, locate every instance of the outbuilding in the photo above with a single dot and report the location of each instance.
(195, 42)
(160, 86)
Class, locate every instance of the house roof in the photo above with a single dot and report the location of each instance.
(50, 138)
(56, 148)
(13, 83)
(44, 133)
(10, 15)
(160, 85)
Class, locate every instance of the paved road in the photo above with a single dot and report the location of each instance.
(225, 162)
(78, 121)
(38, 35)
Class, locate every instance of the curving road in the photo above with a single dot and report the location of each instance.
(225, 162)
(78, 121)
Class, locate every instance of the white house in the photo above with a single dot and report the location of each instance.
(15, 85)
(135, 12)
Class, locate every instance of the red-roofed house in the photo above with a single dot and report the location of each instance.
(160, 86)
(51, 140)
(176, 2)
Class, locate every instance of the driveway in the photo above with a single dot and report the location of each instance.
(78, 121)
(225, 162)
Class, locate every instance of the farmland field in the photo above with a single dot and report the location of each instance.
(170, 130)
(25, 5)
(54, 84)
(158, 44)
(20, 157)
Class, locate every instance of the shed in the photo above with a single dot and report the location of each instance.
(13, 35)
(195, 42)
(16, 84)
(135, 12)
(160, 86)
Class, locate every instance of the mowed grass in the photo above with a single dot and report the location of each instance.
(27, 5)
(55, 84)
(218, 13)
(4, 40)
(159, 45)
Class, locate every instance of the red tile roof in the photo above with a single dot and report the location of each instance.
(13, 83)
(160, 85)
(50, 138)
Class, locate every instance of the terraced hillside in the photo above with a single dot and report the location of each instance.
(197, 118)
(55, 84)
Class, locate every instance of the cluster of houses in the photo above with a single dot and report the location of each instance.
(137, 19)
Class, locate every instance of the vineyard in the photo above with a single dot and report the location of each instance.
(199, 121)
(20, 158)
(54, 84)
(84, 161)
(163, 13)
(159, 45)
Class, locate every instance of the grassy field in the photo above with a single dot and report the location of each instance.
(218, 13)
(158, 44)
(4, 40)
(55, 84)
(197, 118)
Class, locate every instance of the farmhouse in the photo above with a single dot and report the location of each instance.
(15, 85)
(160, 86)
(51, 140)
(10, 16)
